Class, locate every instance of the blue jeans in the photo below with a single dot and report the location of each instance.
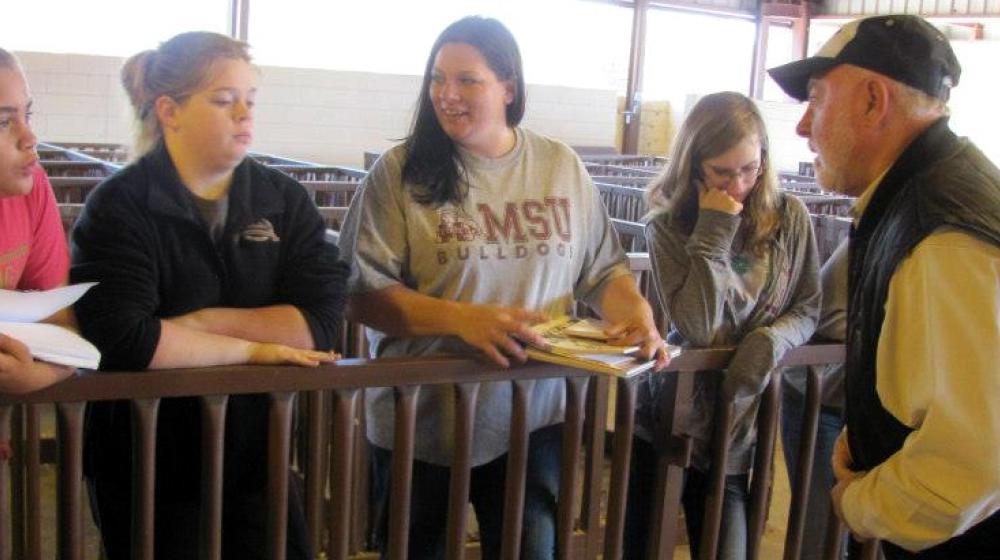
(642, 483)
(818, 507)
(733, 529)
(429, 501)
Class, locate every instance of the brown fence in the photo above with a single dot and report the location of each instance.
(330, 467)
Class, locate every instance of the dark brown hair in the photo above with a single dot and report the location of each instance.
(432, 161)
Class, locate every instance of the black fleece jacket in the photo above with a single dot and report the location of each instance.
(141, 237)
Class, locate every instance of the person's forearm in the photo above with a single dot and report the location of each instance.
(31, 376)
(620, 299)
(281, 324)
(181, 347)
(400, 311)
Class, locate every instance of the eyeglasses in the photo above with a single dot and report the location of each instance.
(748, 172)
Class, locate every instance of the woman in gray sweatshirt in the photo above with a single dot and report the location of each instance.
(735, 264)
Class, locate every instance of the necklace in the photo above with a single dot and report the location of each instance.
(738, 260)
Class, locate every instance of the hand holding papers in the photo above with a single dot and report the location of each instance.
(583, 344)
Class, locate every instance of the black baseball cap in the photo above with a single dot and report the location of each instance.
(905, 48)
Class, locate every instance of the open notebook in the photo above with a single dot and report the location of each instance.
(19, 316)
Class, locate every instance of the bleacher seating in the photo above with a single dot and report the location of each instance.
(75, 169)
(113, 153)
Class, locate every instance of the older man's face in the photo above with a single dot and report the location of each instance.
(830, 125)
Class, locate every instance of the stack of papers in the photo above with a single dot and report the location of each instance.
(582, 343)
(19, 316)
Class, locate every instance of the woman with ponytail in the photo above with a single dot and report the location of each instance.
(203, 257)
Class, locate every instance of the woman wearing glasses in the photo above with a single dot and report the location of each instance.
(735, 263)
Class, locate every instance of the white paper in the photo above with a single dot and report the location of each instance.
(52, 343)
(30, 307)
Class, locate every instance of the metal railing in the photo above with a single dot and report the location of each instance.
(330, 464)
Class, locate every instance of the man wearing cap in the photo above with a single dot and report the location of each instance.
(919, 463)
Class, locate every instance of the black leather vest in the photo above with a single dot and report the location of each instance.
(940, 180)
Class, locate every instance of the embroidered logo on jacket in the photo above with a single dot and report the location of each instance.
(261, 230)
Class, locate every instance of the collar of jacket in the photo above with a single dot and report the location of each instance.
(936, 142)
(168, 196)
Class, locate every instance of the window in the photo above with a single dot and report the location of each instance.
(973, 107)
(562, 42)
(694, 54)
(779, 51)
(96, 27)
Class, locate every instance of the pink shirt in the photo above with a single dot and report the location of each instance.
(33, 252)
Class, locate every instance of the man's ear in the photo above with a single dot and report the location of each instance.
(877, 99)
(166, 109)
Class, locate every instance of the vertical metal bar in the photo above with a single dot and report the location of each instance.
(279, 439)
(593, 478)
(669, 485)
(461, 469)
(361, 475)
(213, 434)
(317, 421)
(835, 535)
(759, 56)
(70, 468)
(517, 467)
(32, 481)
(144, 413)
(576, 396)
(633, 87)
(803, 472)
(624, 428)
(670, 466)
(760, 489)
(234, 18)
(870, 549)
(345, 403)
(244, 23)
(716, 481)
(17, 479)
(6, 412)
(402, 470)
